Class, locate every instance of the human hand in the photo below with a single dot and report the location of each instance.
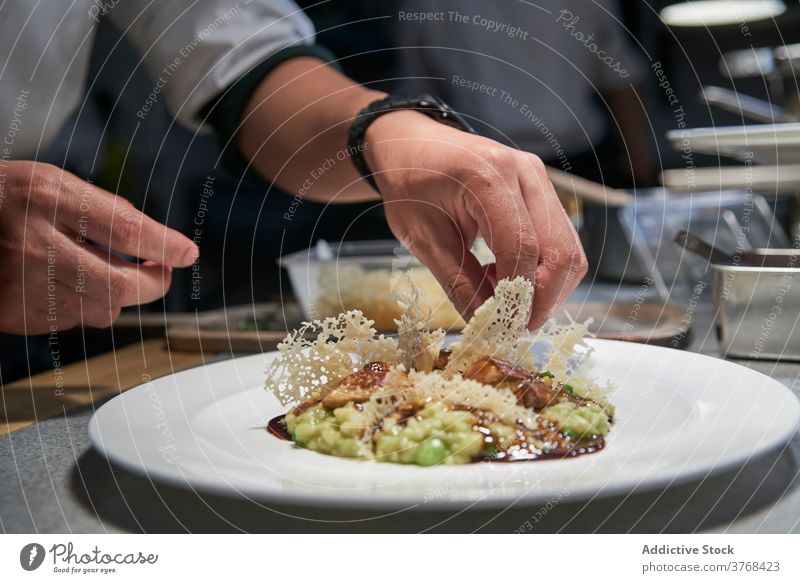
(54, 274)
(443, 187)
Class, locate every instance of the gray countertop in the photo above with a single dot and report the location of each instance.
(52, 481)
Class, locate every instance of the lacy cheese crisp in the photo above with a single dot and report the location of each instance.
(352, 392)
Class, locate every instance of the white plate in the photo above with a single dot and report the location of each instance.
(680, 416)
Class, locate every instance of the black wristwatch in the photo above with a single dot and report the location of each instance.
(428, 104)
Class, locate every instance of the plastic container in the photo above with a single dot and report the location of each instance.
(330, 278)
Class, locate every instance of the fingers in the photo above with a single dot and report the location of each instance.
(562, 262)
(528, 230)
(98, 301)
(462, 277)
(495, 202)
(52, 273)
(94, 301)
(95, 284)
(113, 222)
(66, 309)
(78, 309)
(119, 282)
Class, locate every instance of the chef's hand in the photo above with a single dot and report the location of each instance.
(54, 277)
(442, 187)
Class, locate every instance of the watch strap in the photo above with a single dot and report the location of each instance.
(426, 104)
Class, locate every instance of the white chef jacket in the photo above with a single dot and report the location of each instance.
(546, 56)
(192, 50)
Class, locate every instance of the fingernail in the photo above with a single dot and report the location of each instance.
(191, 256)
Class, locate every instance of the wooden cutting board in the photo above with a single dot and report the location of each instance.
(47, 394)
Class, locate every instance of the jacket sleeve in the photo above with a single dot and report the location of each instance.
(194, 50)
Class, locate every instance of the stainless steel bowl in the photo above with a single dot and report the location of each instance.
(758, 308)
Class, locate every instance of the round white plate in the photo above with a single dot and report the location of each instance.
(680, 416)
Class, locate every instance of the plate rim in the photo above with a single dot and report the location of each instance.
(577, 492)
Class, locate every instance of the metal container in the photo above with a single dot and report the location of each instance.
(758, 308)
(729, 220)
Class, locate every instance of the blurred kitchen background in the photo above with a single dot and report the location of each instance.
(162, 167)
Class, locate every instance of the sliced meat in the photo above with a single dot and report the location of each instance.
(357, 387)
(491, 371)
(531, 390)
(441, 360)
(535, 393)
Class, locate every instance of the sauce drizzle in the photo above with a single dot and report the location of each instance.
(277, 428)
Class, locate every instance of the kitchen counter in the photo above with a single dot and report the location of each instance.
(54, 482)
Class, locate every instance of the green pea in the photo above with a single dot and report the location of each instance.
(546, 374)
(430, 452)
(569, 388)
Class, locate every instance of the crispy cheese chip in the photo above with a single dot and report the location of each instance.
(308, 367)
(343, 345)
(568, 357)
(498, 329)
(418, 344)
(470, 394)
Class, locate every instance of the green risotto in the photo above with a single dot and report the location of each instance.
(434, 435)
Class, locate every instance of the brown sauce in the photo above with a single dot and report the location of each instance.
(593, 445)
(277, 428)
